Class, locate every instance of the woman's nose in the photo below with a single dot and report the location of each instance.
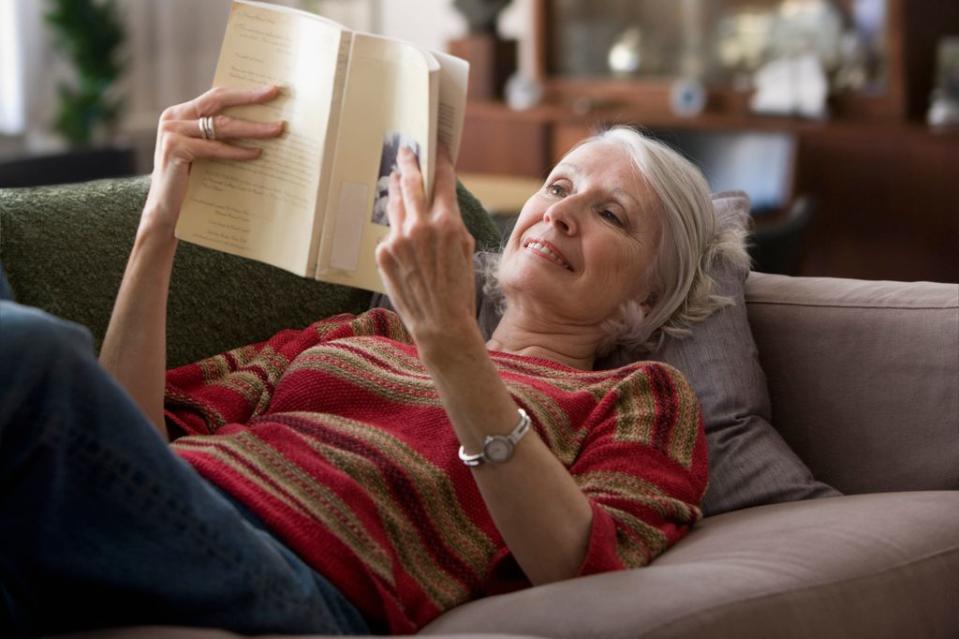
(561, 217)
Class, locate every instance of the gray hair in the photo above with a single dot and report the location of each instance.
(692, 242)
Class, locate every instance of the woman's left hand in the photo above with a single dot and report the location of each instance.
(427, 258)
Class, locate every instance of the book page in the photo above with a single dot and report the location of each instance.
(264, 209)
(453, 81)
(386, 105)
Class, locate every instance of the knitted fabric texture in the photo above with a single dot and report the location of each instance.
(336, 438)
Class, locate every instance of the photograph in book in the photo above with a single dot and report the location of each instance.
(313, 203)
(392, 144)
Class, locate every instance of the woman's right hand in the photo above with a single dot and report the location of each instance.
(180, 141)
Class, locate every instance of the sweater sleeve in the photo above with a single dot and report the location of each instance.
(235, 386)
(643, 468)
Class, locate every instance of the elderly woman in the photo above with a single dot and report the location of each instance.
(365, 474)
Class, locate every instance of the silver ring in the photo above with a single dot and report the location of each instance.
(207, 130)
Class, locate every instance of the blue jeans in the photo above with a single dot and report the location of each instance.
(102, 525)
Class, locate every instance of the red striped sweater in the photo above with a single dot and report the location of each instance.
(335, 437)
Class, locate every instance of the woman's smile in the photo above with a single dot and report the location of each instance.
(547, 251)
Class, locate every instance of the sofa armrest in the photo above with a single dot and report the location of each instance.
(863, 377)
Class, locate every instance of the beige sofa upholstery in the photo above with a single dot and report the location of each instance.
(864, 379)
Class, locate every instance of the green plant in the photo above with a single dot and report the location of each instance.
(90, 33)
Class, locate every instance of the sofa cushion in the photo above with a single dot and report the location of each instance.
(881, 565)
(864, 377)
(65, 247)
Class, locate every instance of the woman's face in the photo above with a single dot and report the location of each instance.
(584, 243)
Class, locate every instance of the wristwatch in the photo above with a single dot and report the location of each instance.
(498, 448)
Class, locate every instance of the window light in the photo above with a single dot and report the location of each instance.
(12, 116)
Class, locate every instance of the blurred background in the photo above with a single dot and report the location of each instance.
(840, 118)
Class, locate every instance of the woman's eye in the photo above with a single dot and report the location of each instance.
(611, 217)
(555, 189)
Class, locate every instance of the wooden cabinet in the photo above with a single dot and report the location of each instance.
(885, 186)
(497, 140)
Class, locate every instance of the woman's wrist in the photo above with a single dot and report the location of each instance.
(474, 396)
(449, 343)
(154, 229)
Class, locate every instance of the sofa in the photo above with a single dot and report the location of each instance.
(859, 380)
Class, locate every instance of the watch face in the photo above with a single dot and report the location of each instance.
(498, 449)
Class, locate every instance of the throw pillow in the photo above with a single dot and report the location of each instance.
(750, 463)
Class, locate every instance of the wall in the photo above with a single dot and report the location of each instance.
(173, 59)
(431, 23)
(173, 45)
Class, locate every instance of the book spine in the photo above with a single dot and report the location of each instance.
(342, 65)
(329, 148)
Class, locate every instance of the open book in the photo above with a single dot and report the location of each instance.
(314, 202)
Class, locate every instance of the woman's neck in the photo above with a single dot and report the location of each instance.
(522, 334)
